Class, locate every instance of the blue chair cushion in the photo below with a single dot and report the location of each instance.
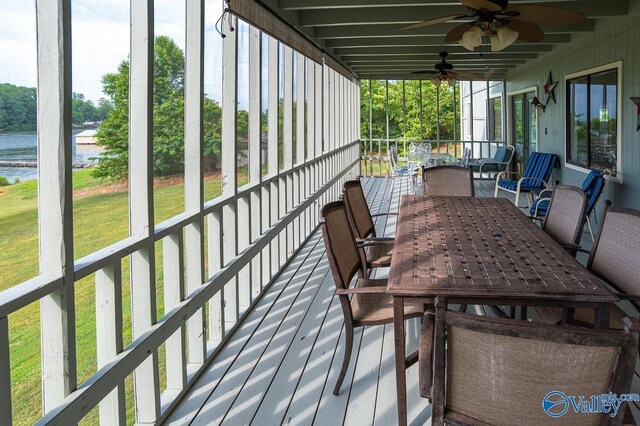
(592, 188)
(502, 155)
(542, 205)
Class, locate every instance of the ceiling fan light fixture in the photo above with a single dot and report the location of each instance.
(472, 38)
(436, 81)
(451, 81)
(507, 36)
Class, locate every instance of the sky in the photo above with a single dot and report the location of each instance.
(100, 41)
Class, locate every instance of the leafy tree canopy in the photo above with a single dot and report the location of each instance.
(168, 117)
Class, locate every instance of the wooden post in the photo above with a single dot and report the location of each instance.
(5, 374)
(109, 337)
(173, 259)
(55, 200)
(193, 172)
(141, 221)
(272, 119)
(229, 162)
(255, 150)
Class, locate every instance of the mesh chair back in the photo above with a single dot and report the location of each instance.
(566, 214)
(614, 255)
(358, 209)
(447, 180)
(339, 243)
(540, 166)
(593, 186)
(499, 371)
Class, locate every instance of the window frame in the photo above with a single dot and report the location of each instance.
(582, 167)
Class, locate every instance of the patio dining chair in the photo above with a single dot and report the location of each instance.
(533, 180)
(498, 163)
(401, 172)
(496, 371)
(466, 157)
(614, 259)
(565, 219)
(447, 180)
(378, 251)
(593, 187)
(369, 303)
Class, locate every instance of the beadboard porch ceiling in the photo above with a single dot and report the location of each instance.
(365, 34)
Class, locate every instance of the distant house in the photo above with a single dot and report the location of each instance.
(86, 137)
(92, 124)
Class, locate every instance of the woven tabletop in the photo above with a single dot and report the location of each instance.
(482, 247)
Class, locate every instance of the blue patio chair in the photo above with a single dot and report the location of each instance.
(533, 180)
(593, 187)
(499, 163)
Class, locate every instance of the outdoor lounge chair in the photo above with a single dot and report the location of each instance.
(370, 304)
(501, 371)
(534, 178)
(593, 186)
(378, 253)
(614, 259)
(499, 163)
(447, 180)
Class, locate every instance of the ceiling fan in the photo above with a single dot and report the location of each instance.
(502, 23)
(444, 72)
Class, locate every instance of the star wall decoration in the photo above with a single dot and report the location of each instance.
(637, 102)
(550, 90)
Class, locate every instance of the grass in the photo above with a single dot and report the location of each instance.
(100, 219)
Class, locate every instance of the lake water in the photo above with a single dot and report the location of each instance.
(23, 147)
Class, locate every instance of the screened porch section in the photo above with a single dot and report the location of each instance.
(182, 278)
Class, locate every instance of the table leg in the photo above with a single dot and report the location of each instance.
(439, 365)
(601, 319)
(401, 378)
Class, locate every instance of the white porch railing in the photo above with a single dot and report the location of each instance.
(248, 233)
(374, 151)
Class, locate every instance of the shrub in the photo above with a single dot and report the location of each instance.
(4, 181)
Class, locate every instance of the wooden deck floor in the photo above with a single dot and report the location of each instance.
(282, 363)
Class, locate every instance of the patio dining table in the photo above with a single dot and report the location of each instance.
(425, 157)
(481, 251)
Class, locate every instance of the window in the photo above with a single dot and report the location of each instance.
(592, 119)
(495, 119)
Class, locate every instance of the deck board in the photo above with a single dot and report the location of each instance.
(281, 364)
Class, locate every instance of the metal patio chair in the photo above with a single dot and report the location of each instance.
(533, 180)
(369, 303)
(502, 371)
(614, 258)
(378, 249)
(498, 163)
(447, 180)
(565, 218)
(401, 172)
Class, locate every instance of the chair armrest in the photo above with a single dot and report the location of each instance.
(385, 214)
(367, 242)
(532, 178)
(543, 194)
(375, 286)
(493, 163)
(510, 173)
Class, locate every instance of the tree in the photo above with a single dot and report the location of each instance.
(18, 107)
(82, 110)
(168, 117)
(103, 109)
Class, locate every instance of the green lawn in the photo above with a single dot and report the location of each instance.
(100, 219)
